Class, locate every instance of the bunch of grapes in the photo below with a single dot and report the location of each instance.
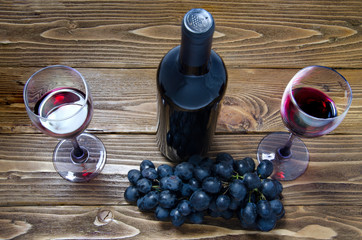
(223, 187)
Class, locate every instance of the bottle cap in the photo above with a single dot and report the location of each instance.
(198, 21)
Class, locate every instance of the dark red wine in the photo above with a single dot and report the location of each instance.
(63, 112)
(313, 103)
(191, 82)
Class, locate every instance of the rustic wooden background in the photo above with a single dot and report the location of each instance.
(117, 46)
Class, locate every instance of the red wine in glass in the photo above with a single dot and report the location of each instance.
(67, 106)
(314, 103)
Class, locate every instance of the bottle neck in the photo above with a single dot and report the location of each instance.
(197, 30)
(194, 55)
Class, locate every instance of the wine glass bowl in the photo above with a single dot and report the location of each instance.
(59, 103)
(314, 103)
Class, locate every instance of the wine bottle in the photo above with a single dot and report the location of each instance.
(191, 82)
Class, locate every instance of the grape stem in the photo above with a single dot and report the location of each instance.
(262, 197)
(156, 187)
(251, 192)
(237, 176)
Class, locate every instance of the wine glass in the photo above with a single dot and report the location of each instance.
(314, 103)
(58, 101)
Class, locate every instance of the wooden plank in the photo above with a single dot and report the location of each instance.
(27, 175)
(125, 99)
(117, 46)
(136, 34)
(116, 222)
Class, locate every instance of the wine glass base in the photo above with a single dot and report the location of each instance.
(85, 170)
(284, 168)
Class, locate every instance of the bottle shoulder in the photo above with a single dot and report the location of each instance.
(189, 91)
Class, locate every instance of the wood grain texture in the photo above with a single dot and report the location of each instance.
(125, 99)
(137, 34)
(117, 45)
(332, 178)
(126, 222)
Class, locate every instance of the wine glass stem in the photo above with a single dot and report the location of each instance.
(78, 154)
(284, 152)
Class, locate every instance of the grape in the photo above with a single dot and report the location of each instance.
(194, 184)
(186, 190)
(234, 204)
(211, 185)
(250, 163)
(201, 173)
(146, 164)
(278, 186)
(227, 214)
(144, 185)
(133, 176)
(140, 204)
(281, 214)
(177, 218)
(162, 214)
(245, 165)
(172, 183)
(224, 157)
(206, 163)
(264, 209)
(149, 173)
(184, 171)
(252, 180)
(222, 202)
(212, 205)
(219, 188)
(276, 206)
(266, 224)
(200, 200)
(131, 194)
(249, 214)
(268, 189)
(243, 223)
(265, 169)
(167, 199)
(196, 217)
(224, 170)
(164, 170)
(150, 200)
(184, 207)
(238, 190)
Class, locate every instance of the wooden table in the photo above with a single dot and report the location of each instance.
(117, 46)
